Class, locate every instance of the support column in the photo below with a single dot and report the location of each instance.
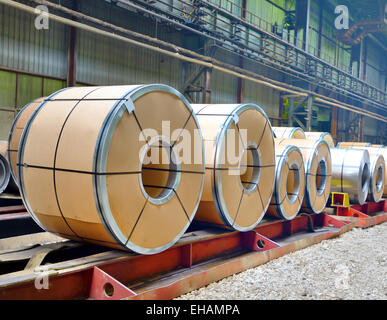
(290, 111)
(320, 24)
(306, 29)
(241, 82)
(71, 78)
(71, 58)
(309, 113)
(207, 79)
(360, 126)
(334, 123)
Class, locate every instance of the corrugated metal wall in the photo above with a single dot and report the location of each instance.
(106, 61)
(25, 48)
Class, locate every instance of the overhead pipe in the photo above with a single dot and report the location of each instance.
(177, 55)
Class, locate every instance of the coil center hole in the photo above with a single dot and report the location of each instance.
(379, 179)
(250, 170)
(293, 182)
(321, 177)
(160, 173)
(2, 172)
(365, 177)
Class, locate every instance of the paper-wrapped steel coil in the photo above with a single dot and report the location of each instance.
(321, 135)
(289, 185)
(237, 190)
(84, 168)
(16, 131)
(289, 132)
(318, 168)
(351, 173)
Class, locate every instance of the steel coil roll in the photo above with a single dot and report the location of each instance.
(289, 185)
(16, 131)
(289, 132)
(318, 168)
(321, 135)
(351, 173)
(86, 168)
(383, 151)
(346, 145)
(237, 188)
(376, 171)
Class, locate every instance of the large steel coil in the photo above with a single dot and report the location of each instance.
(377, 173)
(373, 150)
(289, 186)
(87, 170)
(16, 132)
(239, 180)
(289, 132)
(318, 167)
(351, 173)
(321, 135)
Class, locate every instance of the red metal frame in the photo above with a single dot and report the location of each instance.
(12, 209)
(190, 264)
(366, 215)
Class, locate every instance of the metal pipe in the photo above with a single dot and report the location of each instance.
(76, 14)
(177, 49)
(177, 55)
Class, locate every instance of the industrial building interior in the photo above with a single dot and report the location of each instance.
(266, 40)
(295, 59)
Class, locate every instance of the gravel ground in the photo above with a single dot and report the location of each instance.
(352, 266)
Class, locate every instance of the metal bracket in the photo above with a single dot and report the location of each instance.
(105, 287)
(257, 242)
(129, 106)
(235, 118)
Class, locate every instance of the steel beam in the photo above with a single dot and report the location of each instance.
(207, 83)
(334, 123)
(309, 113)
(71, 57)
(198, 259)
(71, 78)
